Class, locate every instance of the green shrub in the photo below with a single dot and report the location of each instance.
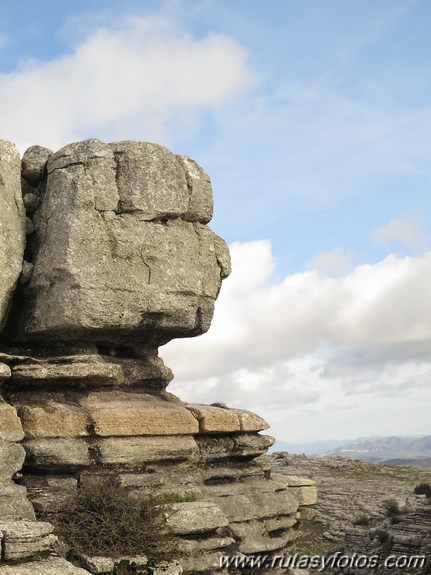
(363, 520)
(169, 498)
(104, 519)
(392, 508)
(423, 489)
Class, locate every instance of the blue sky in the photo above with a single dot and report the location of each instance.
(313, 120)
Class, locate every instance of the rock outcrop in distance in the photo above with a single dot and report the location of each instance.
(107, 256)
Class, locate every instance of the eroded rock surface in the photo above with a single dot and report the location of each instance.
(12, 224)
(120, 250)
(118, 261)
(363, 508)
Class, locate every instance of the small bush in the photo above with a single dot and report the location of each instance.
(394, 511)
(219, 404)
(363, 520)
(381, 535)
(392, 508)
(423, 489)
(104, 519)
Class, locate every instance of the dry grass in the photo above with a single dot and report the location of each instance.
(104, 519)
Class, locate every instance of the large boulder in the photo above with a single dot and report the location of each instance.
(12, 224)
(120, 249)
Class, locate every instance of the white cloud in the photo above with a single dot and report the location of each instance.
(137, 81)
(331, 262)
(311, 343)
(407, 231)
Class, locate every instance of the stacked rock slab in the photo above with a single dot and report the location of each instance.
(118, 261)
(13, 502)
(21, 537)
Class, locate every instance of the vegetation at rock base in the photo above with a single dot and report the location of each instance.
(362, 521)
(169, 498)
(105, 519)
(423, 489)
(393, 509)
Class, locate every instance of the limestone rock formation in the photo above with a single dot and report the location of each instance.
(13, 501)
(21, 537)
(12, 224)
(118, 261)
(120, 250)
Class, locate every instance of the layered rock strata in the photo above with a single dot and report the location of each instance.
(21, 537)
(118, 261)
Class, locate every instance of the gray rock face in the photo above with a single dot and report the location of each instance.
(23, 539)
(120, 250)
(34, 164)
(50, 566)
(119, 260)
(12, 224)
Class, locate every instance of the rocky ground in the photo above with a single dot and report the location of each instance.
(352, 496)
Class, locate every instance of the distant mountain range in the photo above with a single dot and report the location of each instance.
(402, 450)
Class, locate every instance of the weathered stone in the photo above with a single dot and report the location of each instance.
(220, 474)
(11, 455)
(352, 490)
(12, 224)
(213, 448)
(252, 445)
(244, 445)
(304, 490)
(214, 419)
(168, 568)
(150, 179)
(200, 208)
(194, 517)
(49, 493)
(124, 266)
(34, 163)
(31, 203)
(5, 372)
(137, 451)
(97, 564)
(118, 262)
(203, 563)
(81, 370)
(197, 546)
(280, 522)
(23, 539)
(254, 505)
(26, 188)
(255, 539)
(50, 566)
(120, 413)
(249, 421)
(26, 273)
(91, 370)
(52, 419)
(14, 505)
(57, 452)
(10, 426)
(243, 488)
(29, 226)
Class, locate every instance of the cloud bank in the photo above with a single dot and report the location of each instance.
(311, 343)
(143, 78)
